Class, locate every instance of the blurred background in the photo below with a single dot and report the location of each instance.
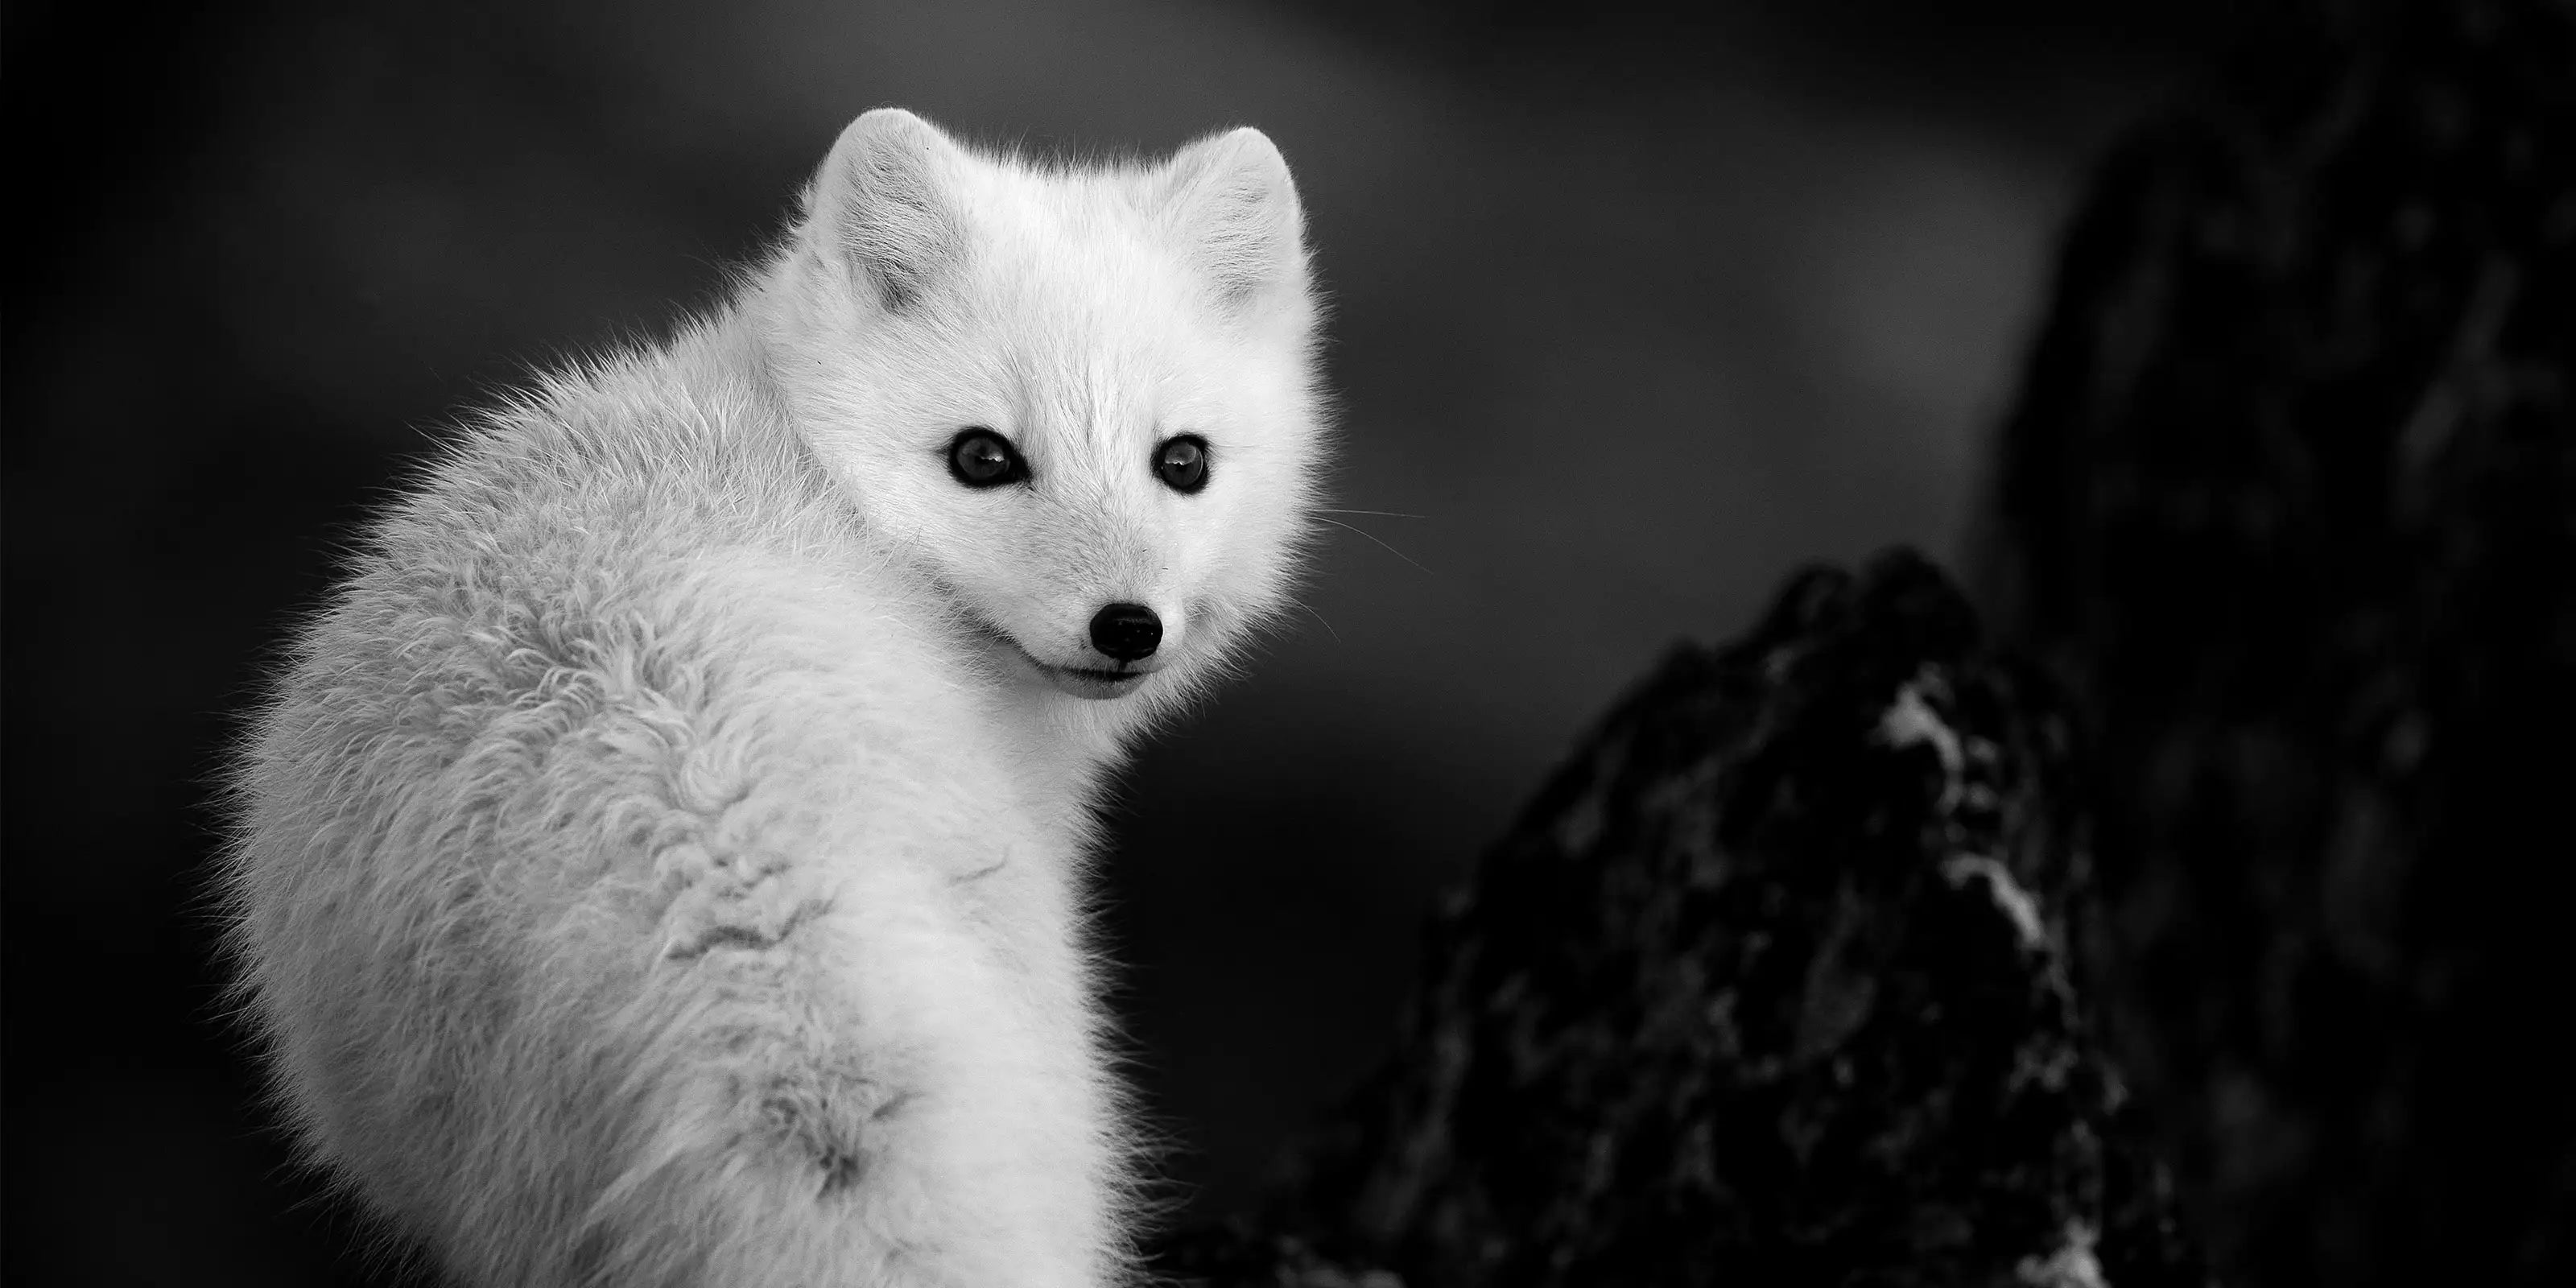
(1632, 317)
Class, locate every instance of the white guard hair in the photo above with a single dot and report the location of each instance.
(661, 863)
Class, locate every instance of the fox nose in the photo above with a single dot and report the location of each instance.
(1127, 632)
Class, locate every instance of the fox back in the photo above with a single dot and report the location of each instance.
(662, 860)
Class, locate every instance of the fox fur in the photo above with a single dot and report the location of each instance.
(662, 861)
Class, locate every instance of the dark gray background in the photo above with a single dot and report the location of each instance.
(1632, 317)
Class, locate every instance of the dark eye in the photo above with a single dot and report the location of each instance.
(1182, 462)
(978, 457)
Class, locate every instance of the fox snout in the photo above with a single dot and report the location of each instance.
(1127, 632)
(1126, 636)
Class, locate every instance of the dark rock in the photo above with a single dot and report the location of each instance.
(2289, 504)
(1769, 985)
(1236, 1255)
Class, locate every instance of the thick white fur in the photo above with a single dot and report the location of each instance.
(662, 862)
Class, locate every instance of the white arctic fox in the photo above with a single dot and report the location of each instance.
(662, 862)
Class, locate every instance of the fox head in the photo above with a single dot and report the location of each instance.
(1079, 403)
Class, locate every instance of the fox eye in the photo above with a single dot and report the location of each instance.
(978, 457)
(1182, 463)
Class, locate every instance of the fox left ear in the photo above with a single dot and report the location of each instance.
(883, 205)
(1229, 200)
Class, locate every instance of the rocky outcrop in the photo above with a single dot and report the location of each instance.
(1771, 983)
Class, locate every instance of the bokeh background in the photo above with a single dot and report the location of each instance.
(1633, 315)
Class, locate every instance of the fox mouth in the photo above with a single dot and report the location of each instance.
(1095, 683)
(1083, 682)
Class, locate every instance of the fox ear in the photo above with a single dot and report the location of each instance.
(1229, 200)
(883, 205)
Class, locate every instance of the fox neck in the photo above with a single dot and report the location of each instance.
(1062, 751)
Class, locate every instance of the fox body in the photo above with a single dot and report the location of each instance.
(661, 862)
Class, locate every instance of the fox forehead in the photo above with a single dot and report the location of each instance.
(1098, 351)
(1081, 380)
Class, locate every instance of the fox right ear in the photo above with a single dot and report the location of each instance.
(883, 205)
(1229, 199)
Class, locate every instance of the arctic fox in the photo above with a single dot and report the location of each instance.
(662, 861)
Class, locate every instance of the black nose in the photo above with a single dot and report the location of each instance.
(1127, 631)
